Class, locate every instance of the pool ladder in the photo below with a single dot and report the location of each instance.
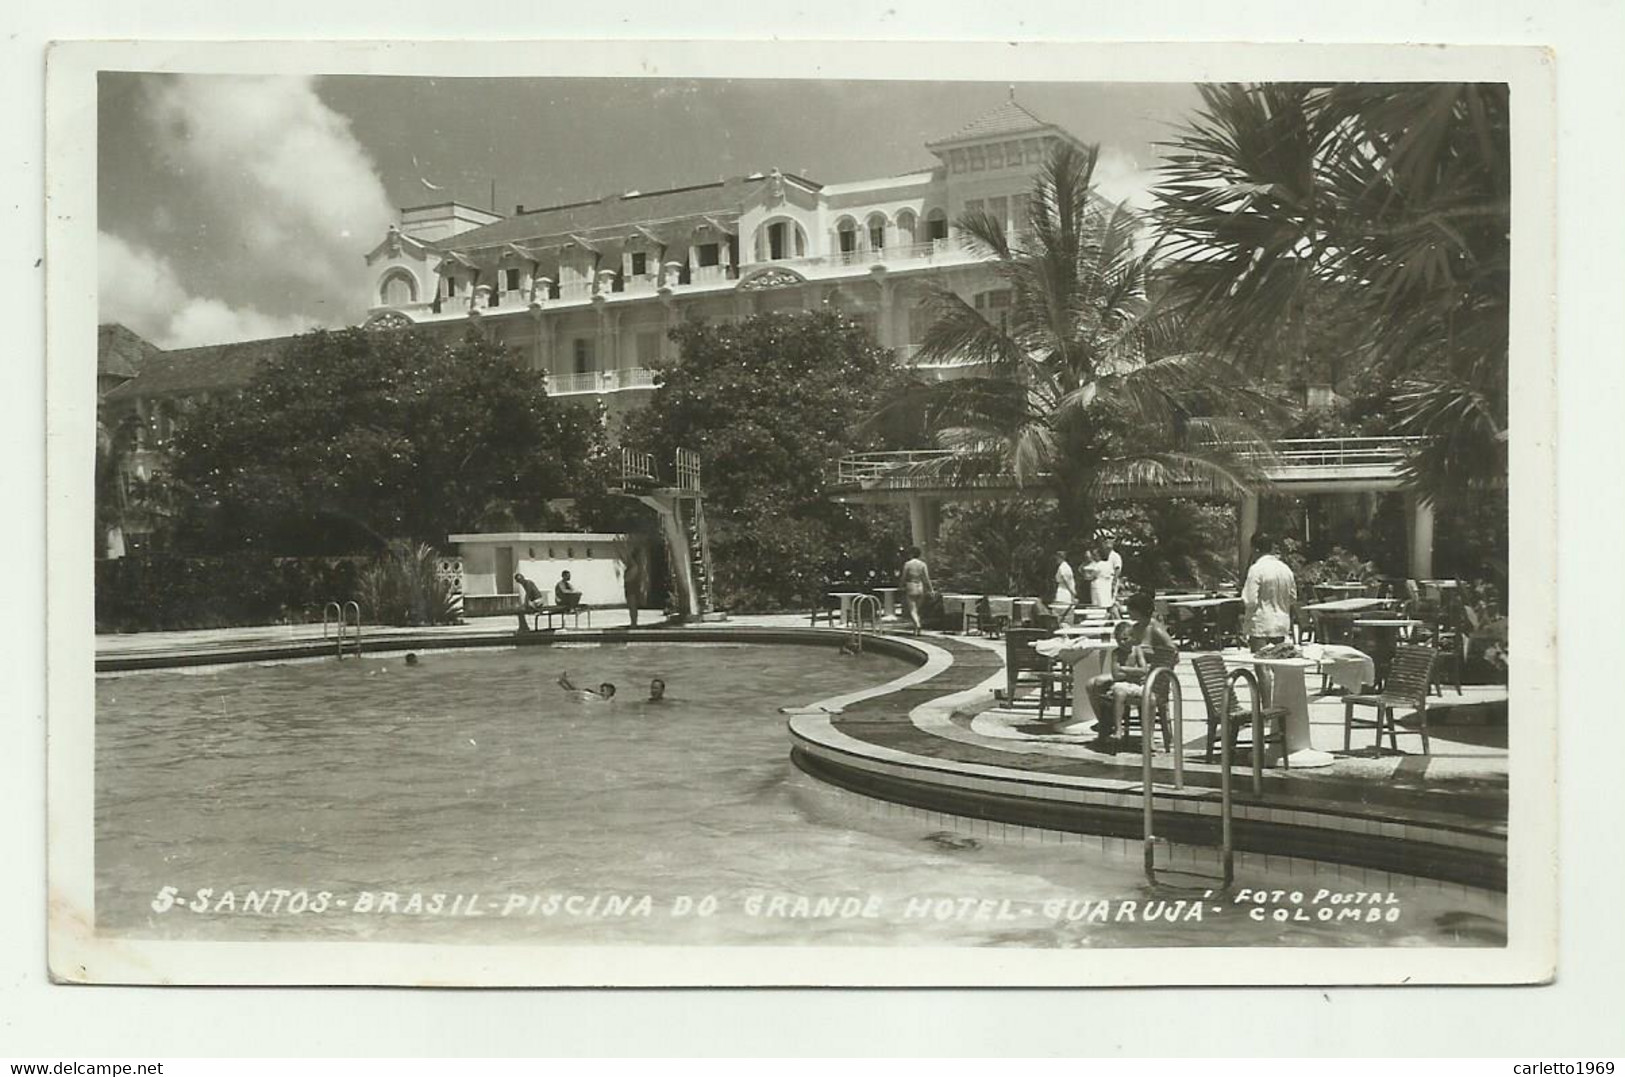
(1148, 703)
(334, 612)
(859, 605)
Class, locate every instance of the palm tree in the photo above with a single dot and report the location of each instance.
(1389, 202)
(1080, 385)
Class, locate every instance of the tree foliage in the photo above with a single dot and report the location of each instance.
(1387, 204)
(770, 404)
(349, 439)
(1084, 382)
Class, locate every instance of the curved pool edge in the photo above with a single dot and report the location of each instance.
(1303, 837)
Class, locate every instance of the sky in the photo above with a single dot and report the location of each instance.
(234, 207)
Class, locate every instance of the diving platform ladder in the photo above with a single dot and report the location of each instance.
(681, 508)
(1148, 704)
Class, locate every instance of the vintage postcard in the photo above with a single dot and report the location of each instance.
(618, 513)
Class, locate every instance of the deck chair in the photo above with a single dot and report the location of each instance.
(1405, 686)
(1212, 675)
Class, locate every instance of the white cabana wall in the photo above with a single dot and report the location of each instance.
(593, 560)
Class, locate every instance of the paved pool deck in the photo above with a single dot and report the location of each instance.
(938, 739)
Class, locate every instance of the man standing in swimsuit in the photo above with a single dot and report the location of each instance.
(915, 581)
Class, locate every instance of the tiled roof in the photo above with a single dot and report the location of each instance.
(212, 368)
(1008, 119)
(120, 353)
(724, 198)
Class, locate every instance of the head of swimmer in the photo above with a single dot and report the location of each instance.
(606, 690)
(657, 689)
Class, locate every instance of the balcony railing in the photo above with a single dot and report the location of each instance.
(600, 381)
(1290, 458)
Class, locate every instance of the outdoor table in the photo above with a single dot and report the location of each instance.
(964, 605)
(847, 598)
(1385, 633)
(888, 602)
(1348, 605)
(1088, 659)
(1099, 630)
(1282, 682)
(1205, 613)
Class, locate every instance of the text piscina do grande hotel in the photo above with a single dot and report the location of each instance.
(213, 901)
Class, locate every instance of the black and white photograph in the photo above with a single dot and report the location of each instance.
(948, 518)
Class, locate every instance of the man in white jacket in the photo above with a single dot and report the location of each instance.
(1268, 596)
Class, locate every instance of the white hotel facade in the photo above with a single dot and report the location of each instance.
(587, 292)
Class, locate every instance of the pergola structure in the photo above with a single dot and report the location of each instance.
(1299, 468)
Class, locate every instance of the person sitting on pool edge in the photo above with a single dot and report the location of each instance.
(565, 587)
(531, 601)
(605, 691)
(1152, 647)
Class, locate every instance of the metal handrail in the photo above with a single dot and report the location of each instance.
(859, 604)
(1148, 704)
(344, 624)
(338, 612)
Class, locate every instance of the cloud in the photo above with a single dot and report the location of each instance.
(269, 203)
(140, 289)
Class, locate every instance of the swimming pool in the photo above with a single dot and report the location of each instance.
(470, 799)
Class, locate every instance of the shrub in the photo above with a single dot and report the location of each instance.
(401, 588)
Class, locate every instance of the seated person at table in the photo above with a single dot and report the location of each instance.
(1100, 687)
(1151, 647)
(531, 601)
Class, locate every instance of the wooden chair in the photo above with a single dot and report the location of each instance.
(1405, 686)
(984, 621)
(1213, 677)
(830, 611)
(1022, 662)
(1161, 658)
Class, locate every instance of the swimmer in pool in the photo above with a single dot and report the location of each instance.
(411, 659)
(657, 691)
(605, 691)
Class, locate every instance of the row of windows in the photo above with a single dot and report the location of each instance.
(511, 279)
(583, 351)
(998, 155)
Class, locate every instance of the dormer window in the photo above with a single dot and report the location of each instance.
(510, 280)
(640, 264)
(708, 254)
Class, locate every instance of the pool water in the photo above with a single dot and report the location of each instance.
(470, 799)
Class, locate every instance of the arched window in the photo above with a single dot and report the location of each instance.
(936, 224)
(397, 288)
(780, 239)
(877, 231)
(906, 227)
(846, 235)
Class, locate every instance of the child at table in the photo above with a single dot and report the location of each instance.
(1100, 686)
(1150, 647)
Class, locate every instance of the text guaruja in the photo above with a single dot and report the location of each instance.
(1259, 905)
